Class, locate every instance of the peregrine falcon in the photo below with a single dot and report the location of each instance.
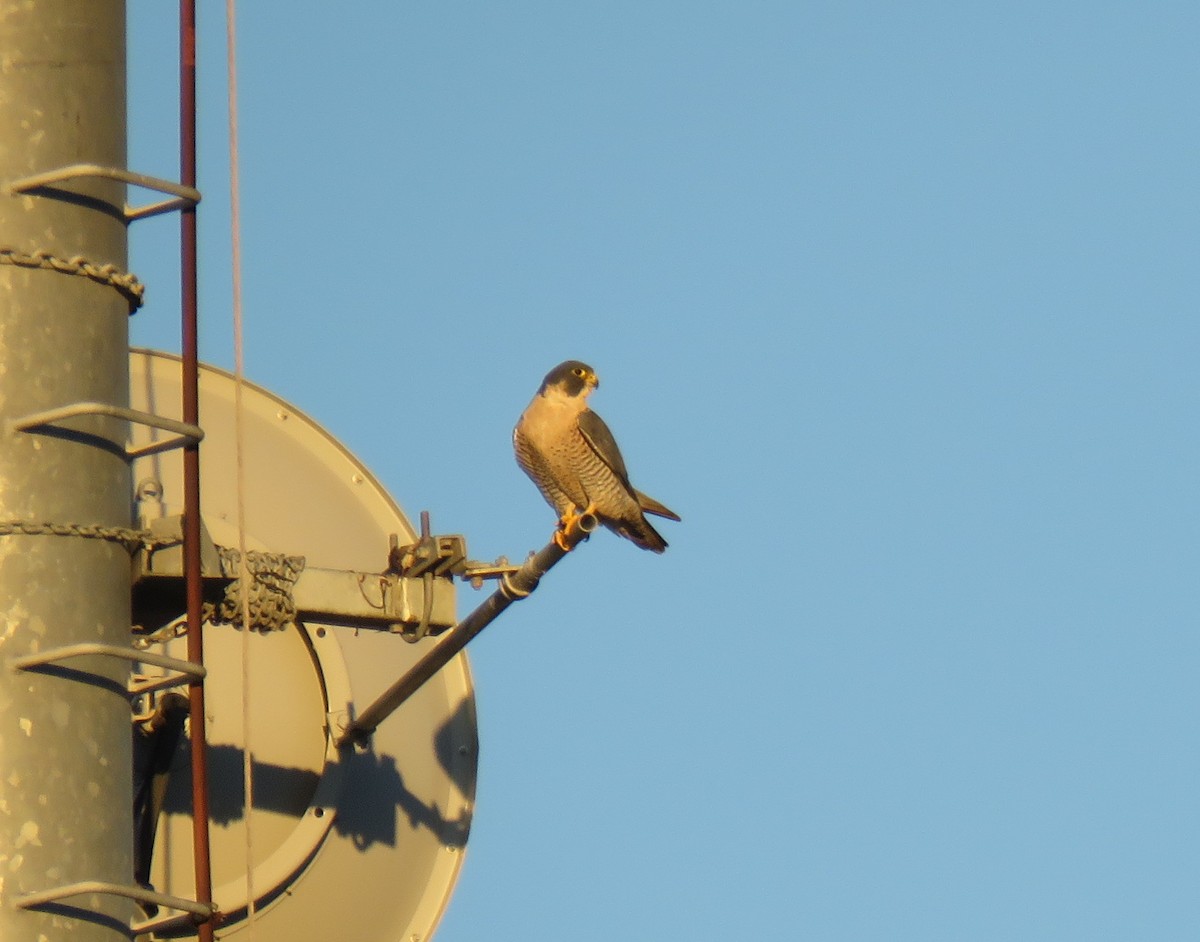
(573, 458)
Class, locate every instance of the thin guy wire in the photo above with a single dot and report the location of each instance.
(235, 225)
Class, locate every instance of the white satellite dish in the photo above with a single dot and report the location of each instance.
(343, 844)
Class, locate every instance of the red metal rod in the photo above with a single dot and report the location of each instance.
(191, 460)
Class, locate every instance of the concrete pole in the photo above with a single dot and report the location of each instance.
(65, 767)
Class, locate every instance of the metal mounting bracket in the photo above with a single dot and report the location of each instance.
(388, 601)
(513, 588)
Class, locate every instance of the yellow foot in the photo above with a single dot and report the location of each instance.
(570, 521)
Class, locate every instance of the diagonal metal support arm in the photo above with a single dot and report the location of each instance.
(513, 587)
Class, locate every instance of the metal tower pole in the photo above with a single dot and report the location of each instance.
(65, 792)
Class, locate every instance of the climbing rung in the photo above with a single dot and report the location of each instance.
(182, 197)
(187, 670)
(185, 433)
(136, 893)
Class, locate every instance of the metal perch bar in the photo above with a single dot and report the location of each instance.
(513, 587)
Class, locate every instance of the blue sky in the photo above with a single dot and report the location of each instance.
(895, 304)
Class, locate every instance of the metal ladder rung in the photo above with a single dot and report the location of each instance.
(136, 893)
(187, 670)
(186, 434)
(182, 197)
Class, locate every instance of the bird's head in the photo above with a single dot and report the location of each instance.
(571, 378)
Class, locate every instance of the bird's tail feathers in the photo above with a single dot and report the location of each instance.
(651, 506)
(644, 536)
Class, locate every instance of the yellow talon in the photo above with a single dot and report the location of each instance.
(569, 518)
(570, 521)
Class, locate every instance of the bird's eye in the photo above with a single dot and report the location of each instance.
(579, 371)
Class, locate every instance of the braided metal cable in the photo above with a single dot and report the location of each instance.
(132, 540)
(272, 575)
(109, 275)
(271, 603)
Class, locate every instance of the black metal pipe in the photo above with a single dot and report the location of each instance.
(513, 588)
(191, 462)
